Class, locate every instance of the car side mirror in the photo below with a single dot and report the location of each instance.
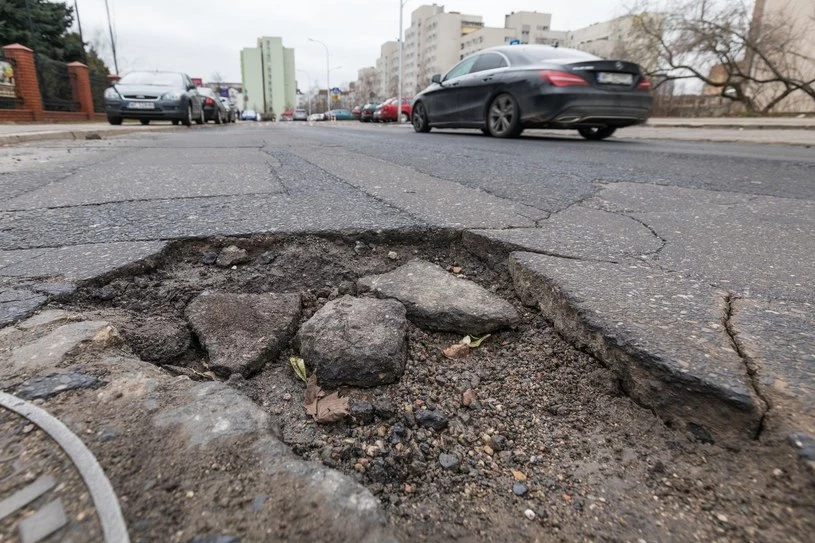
(436, 78)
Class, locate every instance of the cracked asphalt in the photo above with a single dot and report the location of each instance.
(729, 226)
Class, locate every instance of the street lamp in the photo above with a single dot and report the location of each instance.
(308, 91)
(327, 75)
(401, 54)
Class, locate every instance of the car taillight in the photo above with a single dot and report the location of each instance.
(644, 84)
(562, 79)
(209, 101)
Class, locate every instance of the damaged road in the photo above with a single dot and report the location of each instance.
(684, 283)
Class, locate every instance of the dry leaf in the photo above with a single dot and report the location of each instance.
(519, 476)
(299, 367)
(323, 408)
(457, 351)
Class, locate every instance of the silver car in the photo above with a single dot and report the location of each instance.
(149, 96)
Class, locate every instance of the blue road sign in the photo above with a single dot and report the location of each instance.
(336, 90)
(515, 42)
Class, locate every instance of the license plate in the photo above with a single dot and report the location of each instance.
(613, 78)
(142, 105)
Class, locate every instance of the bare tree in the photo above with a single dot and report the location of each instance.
(756, 61)
(367, 87)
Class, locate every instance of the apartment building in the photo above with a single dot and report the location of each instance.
(388, 67)
(800, 16)
(523, 26)
(268, 76)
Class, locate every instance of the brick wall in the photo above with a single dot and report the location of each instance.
(25, 77)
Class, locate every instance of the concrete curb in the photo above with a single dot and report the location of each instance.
(755, 125)
(104, 498)
(12, 139)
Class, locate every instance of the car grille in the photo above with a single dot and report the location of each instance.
(140, 97)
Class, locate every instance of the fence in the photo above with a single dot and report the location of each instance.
(36, 88)
(55, 85)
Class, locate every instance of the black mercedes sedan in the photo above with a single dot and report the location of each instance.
(503, 90)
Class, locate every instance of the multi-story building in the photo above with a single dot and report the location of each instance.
(388, 67)
(367, 87)
(522, 26)
(617, 39)
(798, 20)
(268, 76)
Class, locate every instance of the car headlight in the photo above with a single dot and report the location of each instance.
(111, 94)
(172, 95)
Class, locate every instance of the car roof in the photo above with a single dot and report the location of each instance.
(524, 54)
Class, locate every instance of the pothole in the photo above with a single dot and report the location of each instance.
(524, 438)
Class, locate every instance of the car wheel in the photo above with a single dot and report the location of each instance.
(187, 120)
(202, 119)
(145, 122)
(115, 120)
(218, 118)
(420, 121)
(504, 117)
(597, 134)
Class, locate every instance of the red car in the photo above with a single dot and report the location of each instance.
(389, 110)
(357, 112)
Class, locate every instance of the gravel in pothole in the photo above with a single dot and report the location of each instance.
(524, 439)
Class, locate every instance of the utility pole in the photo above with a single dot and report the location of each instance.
(81, 38)
(112, 40)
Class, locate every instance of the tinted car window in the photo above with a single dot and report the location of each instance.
(461, 68)
(489, 61)
(153, 78)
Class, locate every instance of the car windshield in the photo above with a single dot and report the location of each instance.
(158, 79)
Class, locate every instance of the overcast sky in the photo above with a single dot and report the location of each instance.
(202, 37)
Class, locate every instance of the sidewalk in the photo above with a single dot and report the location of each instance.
(775, 123)
(21, 133)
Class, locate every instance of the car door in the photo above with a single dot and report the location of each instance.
(443, 102)
(477, 87)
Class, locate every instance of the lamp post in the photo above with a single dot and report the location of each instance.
(401, 54)
(327, 75)
(308, 91)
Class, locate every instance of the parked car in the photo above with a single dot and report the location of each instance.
(367, 113)
(389, 110)
(316, 117)
(378, 113)
(503, 90)
(357, 112)
(214, 109)
(250, 115)
(287, 115)
(150, 96)
(340, 115)
(231, 109)
(300, 115)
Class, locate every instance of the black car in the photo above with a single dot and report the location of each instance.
(214, 109)
(149, 96)
(366, 115)
(505, 89)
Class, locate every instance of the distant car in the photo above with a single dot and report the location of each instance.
(357, 112)
(340, 115)
(377, 118)
(503, 90)
(214, 109)
(366, 115)
(389, 110)
(300, 115)
(232, 110)
(250, 115)
(153, 96)
(316, 117)
(287, 115)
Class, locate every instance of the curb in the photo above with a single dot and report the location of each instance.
(11, 139)
(732, 126)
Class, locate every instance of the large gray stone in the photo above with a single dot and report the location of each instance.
(242, 332)
(438, 300)
(48, 351)
(16, 304)
(356, 341)
(664, 334)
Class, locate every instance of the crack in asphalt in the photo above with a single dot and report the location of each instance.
(750, 366)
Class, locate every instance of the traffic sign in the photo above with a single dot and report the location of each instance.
(515, 42)
(336, 90)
